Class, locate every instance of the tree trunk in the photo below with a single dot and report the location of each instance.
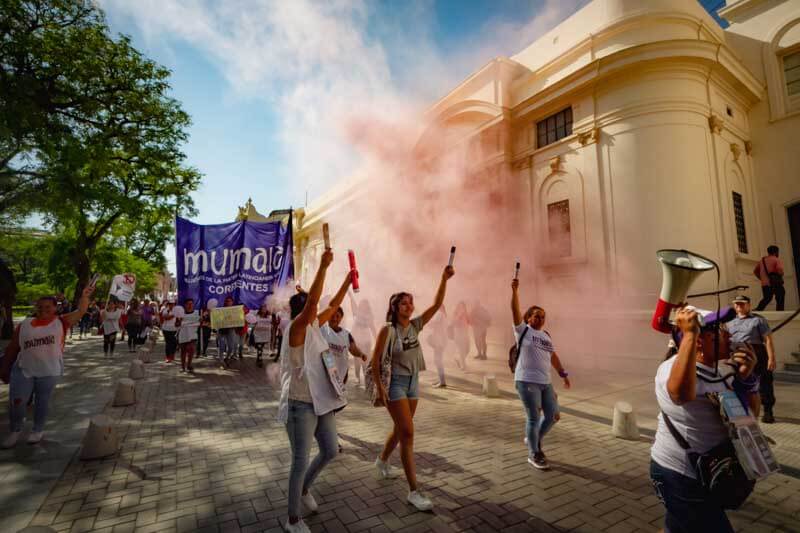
(81, 264)
(8, 294)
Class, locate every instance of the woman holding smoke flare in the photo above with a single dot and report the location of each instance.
(396, 362)
(308, 401)
(532, 375)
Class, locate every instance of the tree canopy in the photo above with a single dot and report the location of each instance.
(89, 136)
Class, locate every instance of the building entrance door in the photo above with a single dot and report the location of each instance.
(794, 232)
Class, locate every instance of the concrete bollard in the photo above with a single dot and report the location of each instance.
(624, 425)
(144, 354)
(490, 389)
(100, 440)
(125, 393)
(137, 369)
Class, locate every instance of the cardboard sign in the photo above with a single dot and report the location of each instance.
(123, 286)
(227, 317)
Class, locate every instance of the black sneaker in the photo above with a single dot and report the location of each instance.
(539, 461)
(191, 370)
(768, 417)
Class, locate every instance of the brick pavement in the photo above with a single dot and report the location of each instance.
(205, 453)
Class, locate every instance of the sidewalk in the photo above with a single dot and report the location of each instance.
(205, 453)
(28, 473)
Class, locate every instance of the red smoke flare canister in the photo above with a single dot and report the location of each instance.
(351, 256)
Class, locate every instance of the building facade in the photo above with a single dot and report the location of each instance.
(632, 126)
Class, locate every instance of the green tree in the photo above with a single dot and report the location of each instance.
(88, 131)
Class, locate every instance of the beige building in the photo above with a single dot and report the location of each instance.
(632, 126)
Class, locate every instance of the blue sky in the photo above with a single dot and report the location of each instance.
(236, 139)
(271, 85)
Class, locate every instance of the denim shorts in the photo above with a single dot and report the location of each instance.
(402, 387)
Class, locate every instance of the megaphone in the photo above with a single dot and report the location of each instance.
(680, 268)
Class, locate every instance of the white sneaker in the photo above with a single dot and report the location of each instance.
(384, 470)
(35, 437)
(309, 502)
(12, 439)
(419, 501)
(299, 527)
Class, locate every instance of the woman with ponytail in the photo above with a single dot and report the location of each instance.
(396, 362)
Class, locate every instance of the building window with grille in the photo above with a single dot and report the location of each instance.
(791, 73)
(738, 214)
(558, 228)
(554, 128)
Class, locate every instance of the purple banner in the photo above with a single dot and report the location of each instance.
(245, 260)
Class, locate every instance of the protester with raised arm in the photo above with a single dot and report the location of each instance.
(690, 422)
(535, 356)
(396, 362)
(308, 399)
(34, 363)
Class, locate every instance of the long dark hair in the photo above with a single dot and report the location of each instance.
(394, 304)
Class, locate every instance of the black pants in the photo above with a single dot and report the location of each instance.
(768, 291)
(765, 388)
(204, 338)
(170, 343)
(133, 334)
(108, 342)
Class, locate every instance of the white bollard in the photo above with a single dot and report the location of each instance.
(125, 393)
(100, 440)
(490, 389)
(144, 354)
(624, 424)
(137, 369)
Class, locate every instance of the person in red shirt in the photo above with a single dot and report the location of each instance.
(770, 271)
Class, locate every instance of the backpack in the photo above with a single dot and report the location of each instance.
(513, 352)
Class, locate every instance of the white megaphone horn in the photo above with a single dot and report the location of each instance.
(680, 268)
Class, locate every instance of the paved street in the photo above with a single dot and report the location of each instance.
(205, 453)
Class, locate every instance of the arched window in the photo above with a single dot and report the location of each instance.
(782, 68)
(789, 54)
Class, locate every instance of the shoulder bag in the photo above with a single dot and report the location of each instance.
(775, 278)
(718, 470)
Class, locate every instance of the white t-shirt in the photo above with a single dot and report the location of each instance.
(111, 321)
(339, 343)
(698, 421)
(533, 364)
(41, 348)
(187, 332)
(167, 325)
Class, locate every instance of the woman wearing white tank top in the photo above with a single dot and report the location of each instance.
(308, 401)
(37, 355)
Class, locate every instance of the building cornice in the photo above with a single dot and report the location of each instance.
(739, 10)
(666, 53)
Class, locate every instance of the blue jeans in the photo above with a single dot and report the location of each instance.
(689, 508)
(537, 396)
(20, 389)
(300, 426)
(228, 344)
